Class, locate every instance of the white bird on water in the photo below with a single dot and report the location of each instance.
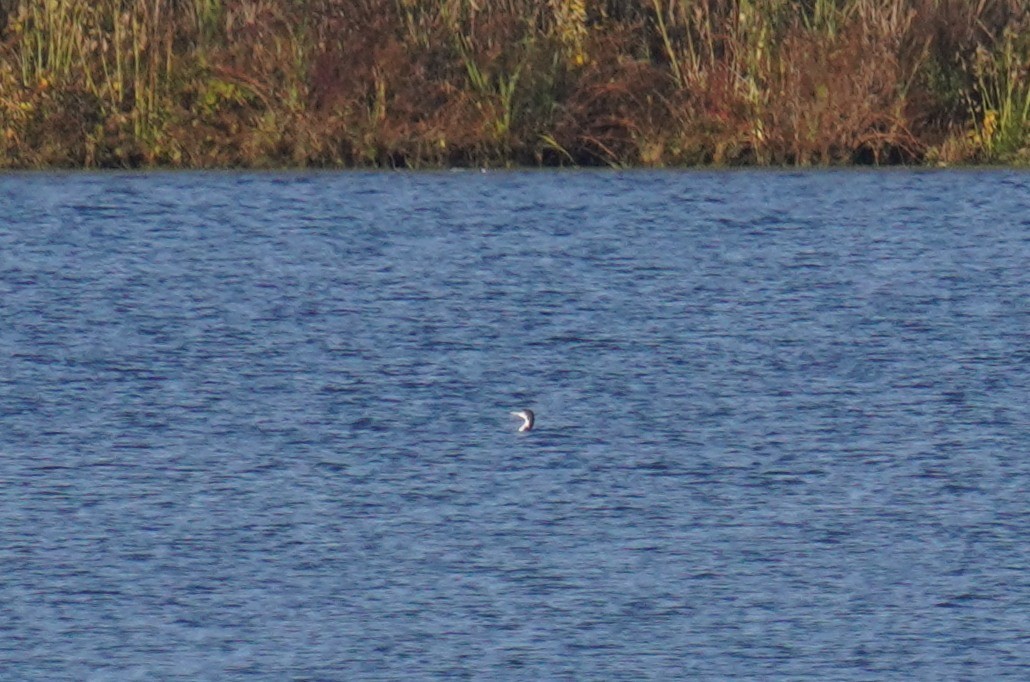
(527, 419)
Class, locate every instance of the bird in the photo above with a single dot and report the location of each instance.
(527, 419)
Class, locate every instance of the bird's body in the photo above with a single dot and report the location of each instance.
(527, 419)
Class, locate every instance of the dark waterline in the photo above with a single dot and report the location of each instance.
(256, 426)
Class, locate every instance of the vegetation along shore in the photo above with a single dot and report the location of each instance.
(432, 83)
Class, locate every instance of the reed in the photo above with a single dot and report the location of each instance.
(52, 39)
(441, 82)
(1002, 106)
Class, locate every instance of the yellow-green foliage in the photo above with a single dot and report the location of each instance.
(570, 23)
(1002, 118)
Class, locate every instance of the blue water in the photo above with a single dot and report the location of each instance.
(256, 426)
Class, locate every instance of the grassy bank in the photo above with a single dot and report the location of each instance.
(426, 83)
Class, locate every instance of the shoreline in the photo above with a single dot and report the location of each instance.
(439, 84)
(309, 171)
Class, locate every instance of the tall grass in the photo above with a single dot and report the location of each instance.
(1002, 112)
(442, 82)
(113, 57)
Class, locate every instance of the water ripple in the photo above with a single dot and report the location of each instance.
(255, 426)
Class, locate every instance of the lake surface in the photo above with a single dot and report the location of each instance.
(256, 426)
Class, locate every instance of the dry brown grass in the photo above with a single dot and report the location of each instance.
(834, 99)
